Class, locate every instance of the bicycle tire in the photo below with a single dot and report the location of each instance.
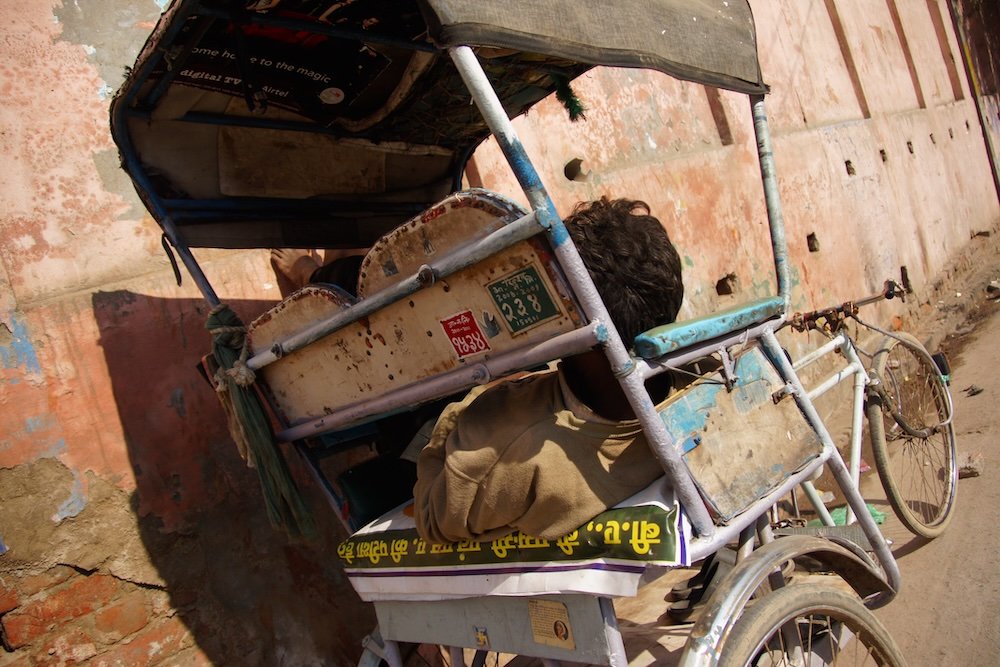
(919, 475)
(811, 624)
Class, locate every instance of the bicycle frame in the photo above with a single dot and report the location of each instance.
(854, 370)
(867, 384)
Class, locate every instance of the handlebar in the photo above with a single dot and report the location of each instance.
(831, 318)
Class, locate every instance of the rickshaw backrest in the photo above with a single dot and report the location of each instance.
(511, 299)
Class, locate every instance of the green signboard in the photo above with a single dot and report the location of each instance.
(523, 299)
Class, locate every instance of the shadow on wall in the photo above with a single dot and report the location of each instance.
(247, 594)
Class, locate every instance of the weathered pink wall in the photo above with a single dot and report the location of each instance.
(133, 533)
(921, 184)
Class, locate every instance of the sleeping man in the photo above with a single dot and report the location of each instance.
(546, 453)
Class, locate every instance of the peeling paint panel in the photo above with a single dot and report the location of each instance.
(74, 504)
(55, 236)
(737, 443)
(16, 348)
(33, 439)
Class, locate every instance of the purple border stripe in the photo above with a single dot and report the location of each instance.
(630, 569)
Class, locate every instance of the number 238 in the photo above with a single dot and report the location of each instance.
(519, 309)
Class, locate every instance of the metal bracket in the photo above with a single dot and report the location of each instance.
(378, 650)
(729, 375)
(165, 242)
(781, 394)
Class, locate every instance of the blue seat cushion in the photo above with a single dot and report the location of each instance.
(672, 337)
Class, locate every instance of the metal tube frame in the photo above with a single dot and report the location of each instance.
(130, 159)
(772, 198)
(612, 633)
(271, 205)
(820, 352)
(856, 370)
(648, 368)
(852, 369)
(582, 285)
(176, 63)
(860, 384)
(469, 254)
(837, 466)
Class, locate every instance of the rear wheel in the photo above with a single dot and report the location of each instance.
(919, 474)
(809, 625)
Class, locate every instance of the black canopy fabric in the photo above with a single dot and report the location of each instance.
(706, 41)
(324, 123)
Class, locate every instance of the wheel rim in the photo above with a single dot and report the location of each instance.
(922, 468)
(815, 640)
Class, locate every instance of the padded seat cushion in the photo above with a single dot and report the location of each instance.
(672, 337)
(387, 559)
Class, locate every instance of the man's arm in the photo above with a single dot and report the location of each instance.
(455, 471)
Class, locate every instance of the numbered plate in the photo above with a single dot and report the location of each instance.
(465, 335)
(522, 299)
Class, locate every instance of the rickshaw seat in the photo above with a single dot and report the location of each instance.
(733, 466)
(461, 318)
(472, 314)
(388, 560)
(671, 337)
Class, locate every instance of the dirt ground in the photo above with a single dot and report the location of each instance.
(948, 611)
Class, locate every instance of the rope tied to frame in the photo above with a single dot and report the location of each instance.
(236, 337)
(250, 426)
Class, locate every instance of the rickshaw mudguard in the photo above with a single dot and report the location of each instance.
(709, 633)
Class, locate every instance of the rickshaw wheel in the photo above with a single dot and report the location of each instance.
(919, 475)
(809, 624)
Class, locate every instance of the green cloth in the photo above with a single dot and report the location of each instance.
(839, 516)
(286, 508)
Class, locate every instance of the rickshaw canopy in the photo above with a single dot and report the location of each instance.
(323, 123)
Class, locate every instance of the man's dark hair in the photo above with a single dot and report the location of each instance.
(634, 265)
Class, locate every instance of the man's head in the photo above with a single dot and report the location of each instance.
(633, 263)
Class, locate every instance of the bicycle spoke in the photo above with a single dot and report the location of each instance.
(809, 626)
(917, 472)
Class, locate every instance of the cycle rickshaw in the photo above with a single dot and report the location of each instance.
(322, 124)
